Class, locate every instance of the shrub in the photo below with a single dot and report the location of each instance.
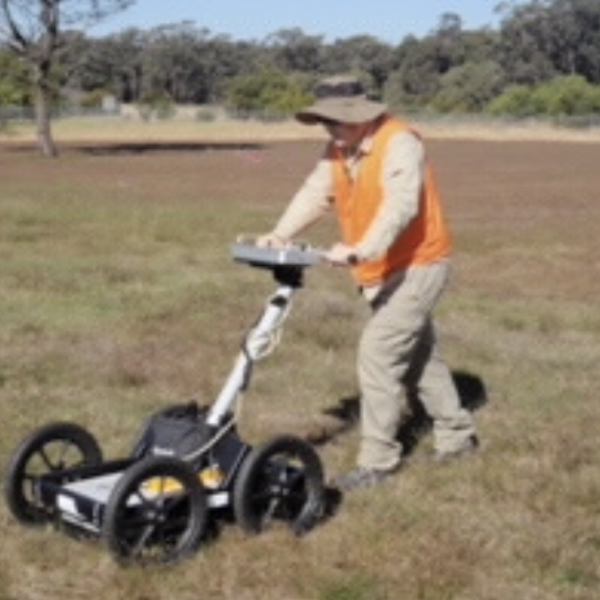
(160, 106)
(469, 87)
(269, 92)
(563, 96)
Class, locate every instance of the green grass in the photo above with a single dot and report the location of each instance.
(118, 295)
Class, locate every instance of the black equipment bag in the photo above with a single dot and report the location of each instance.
(178, 431)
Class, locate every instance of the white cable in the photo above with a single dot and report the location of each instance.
(218, 434)
(259, 344)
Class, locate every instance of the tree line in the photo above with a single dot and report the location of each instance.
(542, 58)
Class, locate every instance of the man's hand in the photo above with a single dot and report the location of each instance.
(342, 255)
(271, 240)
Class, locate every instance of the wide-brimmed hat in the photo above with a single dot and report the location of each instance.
(341, 98)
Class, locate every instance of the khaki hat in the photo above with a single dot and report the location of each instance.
(341, 98)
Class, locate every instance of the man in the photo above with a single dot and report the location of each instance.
(395, 241)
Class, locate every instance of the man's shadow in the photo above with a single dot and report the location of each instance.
(472, 393)
(346, 414)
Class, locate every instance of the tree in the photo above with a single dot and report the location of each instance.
(544, 39)
(363, 55)
(110, 65)
(188, 64)
(293, 50)
(33, 29)
(574, 38)
(418, 78)
(524, 50)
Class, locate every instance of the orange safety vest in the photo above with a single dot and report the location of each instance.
(425, 240)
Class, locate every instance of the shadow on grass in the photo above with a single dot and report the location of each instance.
(150, 147)
(471, 390)
(143, 147)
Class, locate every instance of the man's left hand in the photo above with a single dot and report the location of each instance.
(341, 255)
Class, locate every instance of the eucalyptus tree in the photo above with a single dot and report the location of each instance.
(544, 39)
(174, 63)
(170, 62)
(417, 79)
(112, 64)
(34, 30)
(469, 73)
(365, 56)
(574, 38)
(293, 51)
(448, 38)
(226, 60)
(525, 44)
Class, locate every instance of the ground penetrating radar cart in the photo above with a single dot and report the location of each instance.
(187, 464)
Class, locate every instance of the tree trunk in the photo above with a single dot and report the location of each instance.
(42, 113)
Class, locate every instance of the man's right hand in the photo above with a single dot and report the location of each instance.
(271, 240)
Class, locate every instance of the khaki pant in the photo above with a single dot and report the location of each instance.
(397, 356)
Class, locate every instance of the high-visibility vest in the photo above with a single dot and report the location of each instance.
(425, 240)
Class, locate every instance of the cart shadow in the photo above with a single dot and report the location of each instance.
(225, 519)
(345, 415)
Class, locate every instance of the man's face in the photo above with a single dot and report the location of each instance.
(345, 135)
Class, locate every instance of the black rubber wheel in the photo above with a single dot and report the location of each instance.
(53, 448)
(281, 480)
(156, 513)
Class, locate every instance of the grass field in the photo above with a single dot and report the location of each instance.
(118, 296)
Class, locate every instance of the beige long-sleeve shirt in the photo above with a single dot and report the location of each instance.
(401, 179)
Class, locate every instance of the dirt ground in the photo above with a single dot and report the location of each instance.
(506, 190)
(488, 172)
(524, 214)
(518, 201)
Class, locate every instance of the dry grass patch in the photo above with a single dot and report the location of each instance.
(130, 128)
